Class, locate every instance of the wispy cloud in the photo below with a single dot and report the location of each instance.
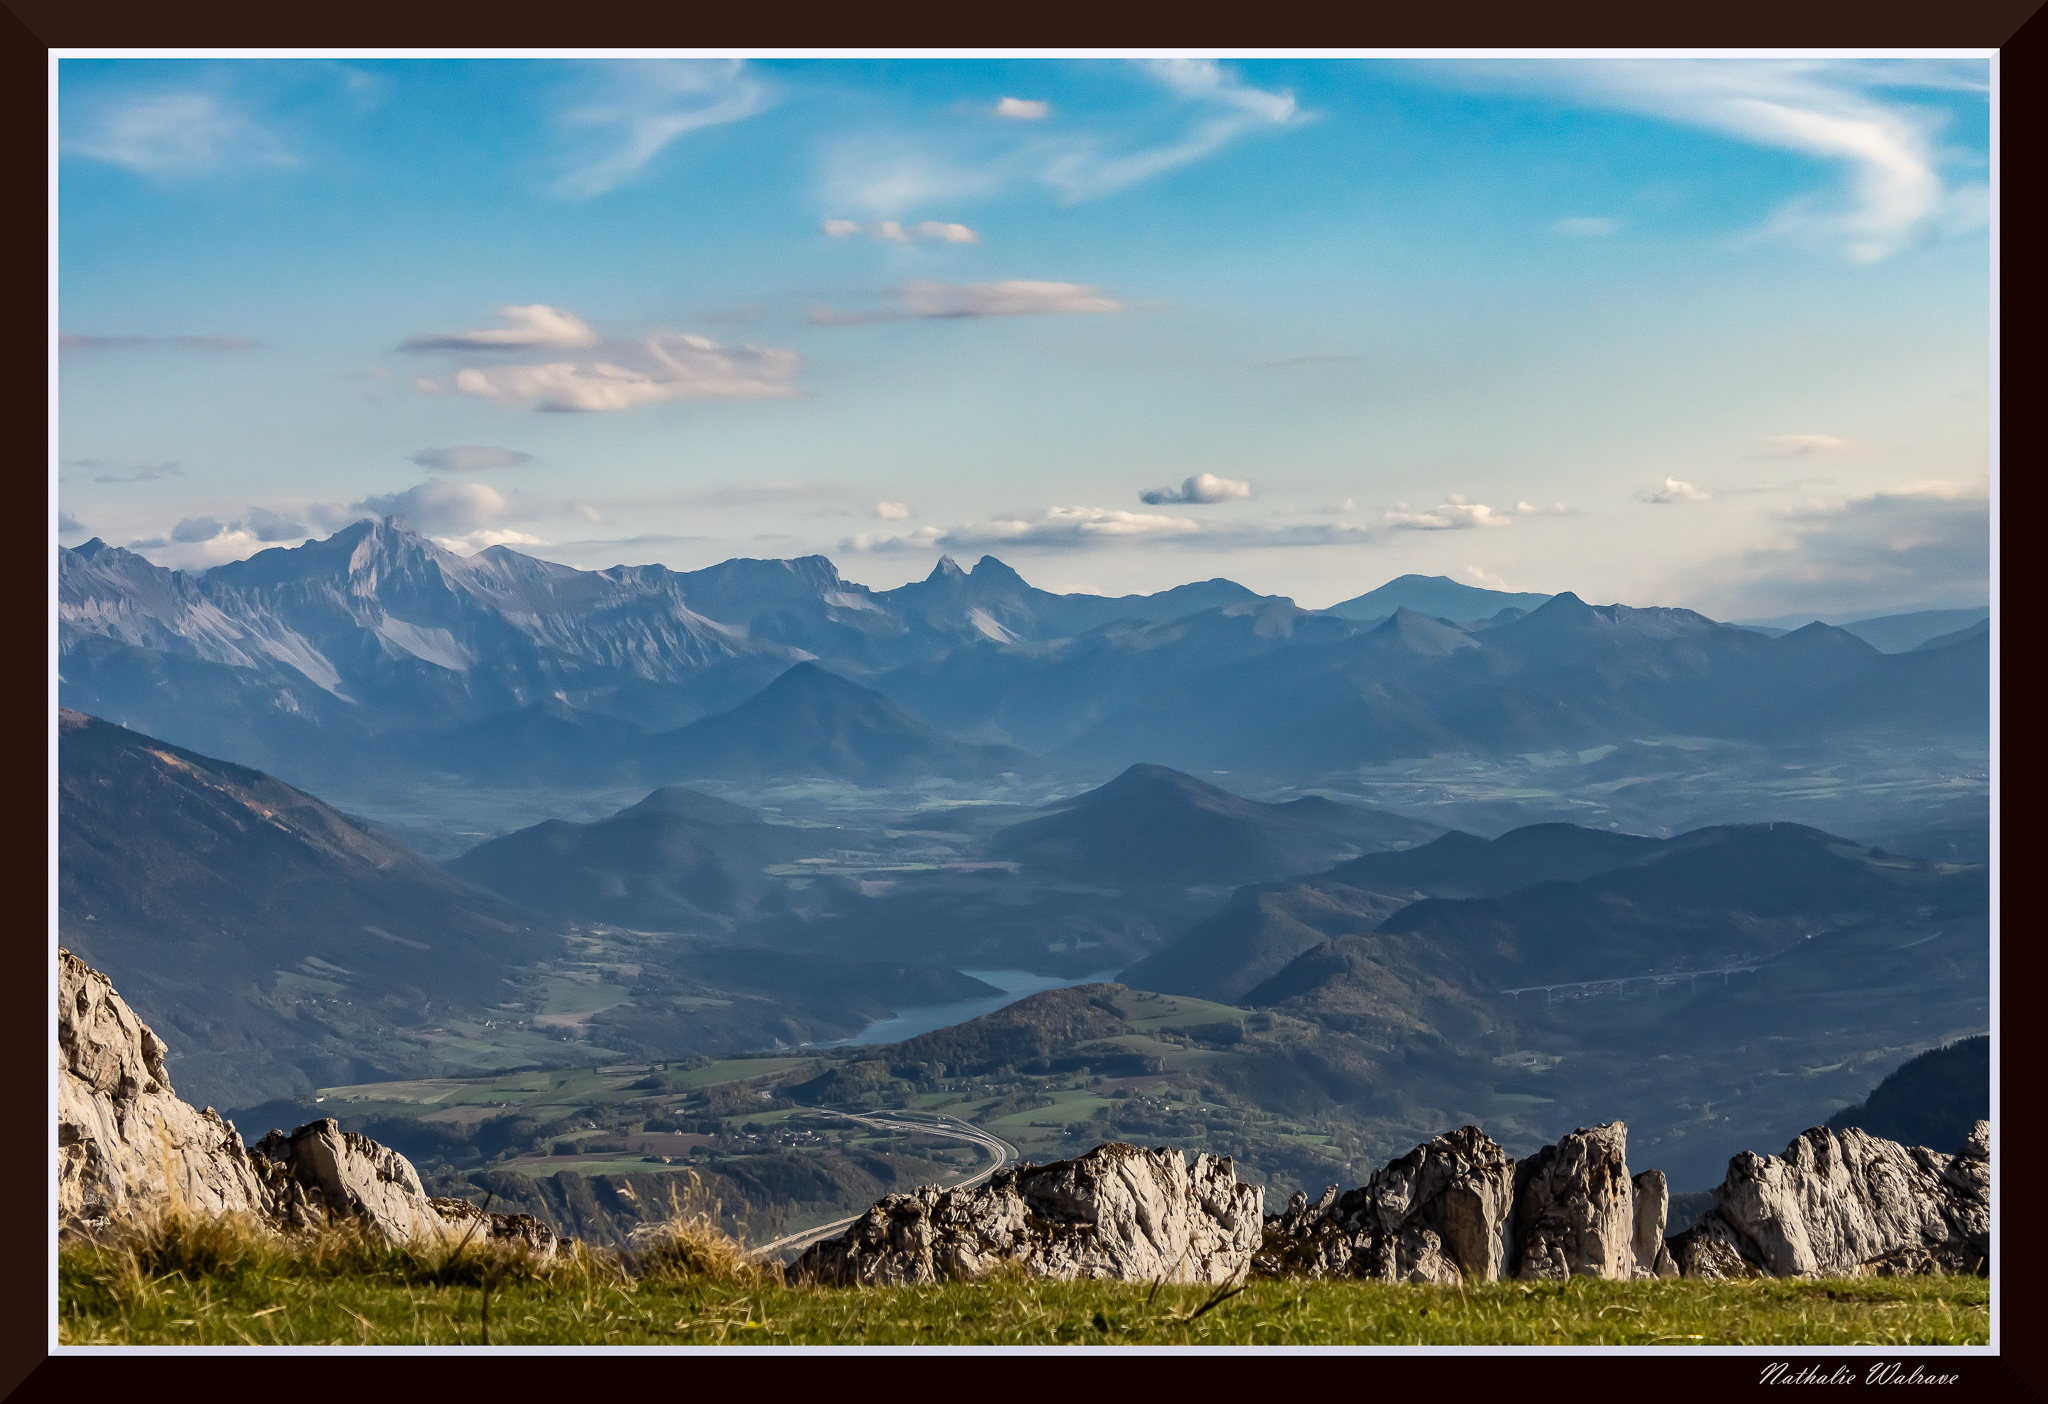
(469, 458)
(1189, 110)
(537, 325)
(117, 473)
(1829, 109)
(77, 341)
(658, 368)
(1586, 226)
(639, 106)
(1013, 298)
(1674, 490)
(1455, 515)
(891, 231)
(173, 134)
(1227, 109)
(1319, 358)
(892, 511)
(460, 516)
(1203, 487)
(68, 525)
(1805, 445)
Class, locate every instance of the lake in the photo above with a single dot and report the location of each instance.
(1014, 984)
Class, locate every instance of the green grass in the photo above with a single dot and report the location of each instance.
(392, 1299)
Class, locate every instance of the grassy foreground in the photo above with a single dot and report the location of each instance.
(219, 1283)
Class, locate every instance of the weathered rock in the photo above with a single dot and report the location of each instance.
(1845, 1203)
(470, 1223)
(321, 1173)
(1438, 1214)
(127, 1145)
(1575, 1207)
(1653, 1210)
(1118, 1213)
(129, 1149)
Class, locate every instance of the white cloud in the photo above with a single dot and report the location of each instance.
(890, 231)
(1234, 110)
(175, 134)
(1805, 445)
(1455, 515)
(1587, 226)
(1485, 580)
(839, 228)
(892, 511)
(1055, 527)
(1023, 109)
(68, 525)
(671, 367)
(470, 543)
(947, 233)
(1016, 297)
(441, 507)
(1203, 487)
(537, 325)
(644, 105)
(469, 458)
(1824, 108)
(1918, 546)
(1675, 490)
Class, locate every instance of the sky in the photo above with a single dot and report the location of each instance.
(1660, 330)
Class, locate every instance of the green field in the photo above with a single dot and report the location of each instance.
(388, 1297)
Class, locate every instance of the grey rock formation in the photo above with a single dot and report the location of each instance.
(1117, 1213)
(321, 1173)
(126, 1144)
(129, 1149)
(1575, 1207)
(468, 1223)
(1441, 1213)
(1653, 1210)
(1845, 1203)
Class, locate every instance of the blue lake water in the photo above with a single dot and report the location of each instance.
(1014, 984)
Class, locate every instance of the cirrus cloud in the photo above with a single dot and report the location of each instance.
(1022, 109)
(1018, 297)
(639, 106)
(468, 458)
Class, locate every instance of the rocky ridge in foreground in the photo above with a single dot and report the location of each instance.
(1455, 1209)
(129, 1149)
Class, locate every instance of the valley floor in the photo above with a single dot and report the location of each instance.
(97, 1307)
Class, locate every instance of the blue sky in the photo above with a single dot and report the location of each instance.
(1667, 330)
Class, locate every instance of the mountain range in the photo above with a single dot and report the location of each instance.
(375, 653)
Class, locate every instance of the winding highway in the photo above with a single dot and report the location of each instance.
(930, 1124)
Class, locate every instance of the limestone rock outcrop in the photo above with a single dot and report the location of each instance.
(128, 1148)
(1575, 1212)
(126, 1143)
(1841, 1203)
(1118, 1212)
(1441, 1213)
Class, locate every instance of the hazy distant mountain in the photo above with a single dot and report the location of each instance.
(1708, 899)
(646, 868)
(1437, 595)
(1888, 633)
(1152, 824)
(1982, 628)
(692, 804)
(269, 938)
(810, 722)
(1566, 677)
(994, 602)
(1041, 695)
(1263, 927)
